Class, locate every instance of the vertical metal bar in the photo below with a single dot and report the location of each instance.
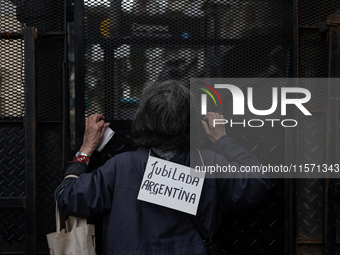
(217, 49)
(292, 154)
(331, 135)
(210, 33)
(66, 96)
(30, 144)
(115, 80)
(290, 193)
(296, 38)
(79, 71)
(115, 6)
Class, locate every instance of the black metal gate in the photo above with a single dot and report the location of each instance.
(33, 121)
(120, 45)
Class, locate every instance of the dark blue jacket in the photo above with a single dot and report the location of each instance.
(136, 227)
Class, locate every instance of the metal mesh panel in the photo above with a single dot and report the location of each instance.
(11, 64)
(312, 45)
(130, 43)
(312, 54)
(8, 18)
(49, 79)
(44, 15)
(311, 13)
(12, 91)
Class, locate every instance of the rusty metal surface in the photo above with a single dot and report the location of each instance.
(10, 36)
(310, 250)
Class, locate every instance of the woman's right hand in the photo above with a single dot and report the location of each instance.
(95, 127)
(213, 133)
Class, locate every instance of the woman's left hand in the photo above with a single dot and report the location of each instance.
(95, 127)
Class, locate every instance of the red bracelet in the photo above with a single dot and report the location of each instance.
(81, 157)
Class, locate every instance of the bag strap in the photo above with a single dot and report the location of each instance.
(77, 222)
(207, 240)
(198, 223)
(57, 217)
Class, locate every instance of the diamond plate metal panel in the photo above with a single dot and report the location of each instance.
(49, 176)
(12, 160)
(310, 204)
(12, 230)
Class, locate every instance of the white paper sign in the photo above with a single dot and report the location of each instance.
(107, 136)
(171, 185)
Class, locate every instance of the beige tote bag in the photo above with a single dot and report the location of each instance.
(77, 239)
